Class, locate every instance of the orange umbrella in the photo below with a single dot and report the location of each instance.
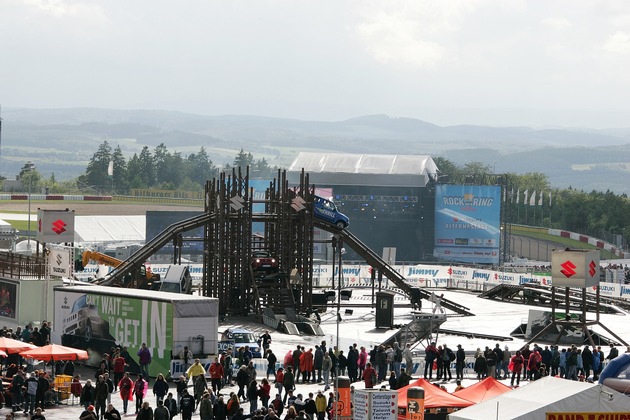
(55, 352)
(10, 345)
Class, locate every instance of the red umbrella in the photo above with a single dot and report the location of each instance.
(2, 353)
(10, 345)
(55, 352)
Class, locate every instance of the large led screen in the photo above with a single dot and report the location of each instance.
(467, 223)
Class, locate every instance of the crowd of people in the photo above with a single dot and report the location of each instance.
(275, 395)
(527, 363)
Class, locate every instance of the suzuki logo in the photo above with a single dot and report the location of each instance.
(592, 268)
(58, 226)
(59, 259)
(568, 269)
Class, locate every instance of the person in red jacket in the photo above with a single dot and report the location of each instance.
(516, 362)
(369, 375)
(306, 365)
(216, 374)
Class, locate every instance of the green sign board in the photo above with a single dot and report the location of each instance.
(97, 322)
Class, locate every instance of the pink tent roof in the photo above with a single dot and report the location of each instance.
(483, 390)
(434, 397)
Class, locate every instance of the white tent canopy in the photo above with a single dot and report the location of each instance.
(547, 395)
(107, 229)
(364, 169)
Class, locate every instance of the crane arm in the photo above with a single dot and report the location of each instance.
(100, 258)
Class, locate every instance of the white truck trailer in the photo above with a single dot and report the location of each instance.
(98, 318)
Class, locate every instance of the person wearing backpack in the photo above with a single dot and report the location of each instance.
(369, 376)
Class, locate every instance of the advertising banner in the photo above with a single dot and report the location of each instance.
(8, 299)
(575, 268)
(98, 322)
(467, 223)
(59, 262)
(592, 415)
(55, 226)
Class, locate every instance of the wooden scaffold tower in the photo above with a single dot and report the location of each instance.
(286, 214)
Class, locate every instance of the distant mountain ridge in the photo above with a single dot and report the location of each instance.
(63, 140)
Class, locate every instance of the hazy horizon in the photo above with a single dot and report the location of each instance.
(482, 62)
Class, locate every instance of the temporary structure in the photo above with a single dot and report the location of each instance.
(10, 345)
(55, 352)
(547, 395)
(434, 397)
(483, 390)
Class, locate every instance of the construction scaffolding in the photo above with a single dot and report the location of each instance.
(287, 235)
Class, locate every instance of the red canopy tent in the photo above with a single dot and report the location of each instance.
(434, 397)
(10, 345)
(55, 352)
(484, 390)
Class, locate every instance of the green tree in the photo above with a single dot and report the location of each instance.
(30, 177)
(134, 167)
(147, 167)
(96, 171)
(199, 167)
(243, 160)
(120, 183)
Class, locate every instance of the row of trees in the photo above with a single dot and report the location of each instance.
(108, 172)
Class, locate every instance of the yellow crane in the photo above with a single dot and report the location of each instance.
(140, 278)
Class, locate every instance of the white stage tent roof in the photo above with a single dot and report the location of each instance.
(547, 395)
(106, 229)
(363, 169)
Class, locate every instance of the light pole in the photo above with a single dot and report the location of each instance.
(27, 169)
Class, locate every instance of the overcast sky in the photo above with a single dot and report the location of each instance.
(497, 62)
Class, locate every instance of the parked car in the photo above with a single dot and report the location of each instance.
(263, 261)
(242, 337)
(326, 210)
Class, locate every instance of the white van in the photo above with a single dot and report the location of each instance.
(177, 279)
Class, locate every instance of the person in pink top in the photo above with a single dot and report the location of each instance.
(363, 357)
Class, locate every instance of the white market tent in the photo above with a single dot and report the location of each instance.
(364, 169)
(547, 395)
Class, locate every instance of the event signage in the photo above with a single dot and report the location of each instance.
(374, 404)
(97, 322)
(575, 268)
(55, 226)
(467, 223)
(595, 415)
(59, 262)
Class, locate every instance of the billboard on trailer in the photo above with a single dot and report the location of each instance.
(97, 322)
(467, 223)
